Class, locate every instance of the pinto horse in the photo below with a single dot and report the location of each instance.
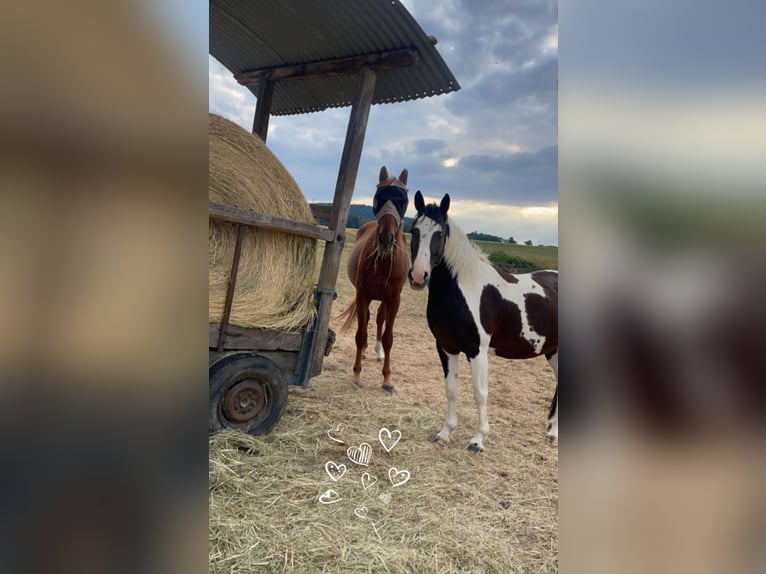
(474, 307)
(377, 267)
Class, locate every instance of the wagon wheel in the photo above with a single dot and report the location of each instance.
(247, 392)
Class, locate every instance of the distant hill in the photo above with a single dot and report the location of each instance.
(359, 214)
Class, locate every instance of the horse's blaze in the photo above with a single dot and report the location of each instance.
(419, 270)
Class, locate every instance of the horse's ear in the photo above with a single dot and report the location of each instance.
(403, 177)
(444, 205)
(419, 203)
(383, 174)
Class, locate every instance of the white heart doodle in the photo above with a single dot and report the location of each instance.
(385, 498)
(337, 430)
(389, 434)
(329, 497)
(398, 477)
(361, 455)
(361, 512)
(368, 480)
(335, 471)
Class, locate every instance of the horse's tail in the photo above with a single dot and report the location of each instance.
(554, 402)
(348, 316)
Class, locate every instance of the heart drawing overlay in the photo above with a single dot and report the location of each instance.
(329, 497)
(361, 512)
(368, 480)
(398, 477)
(386, 437)
(335, 471)
(361, 455)
(338, 430)
(385, 498)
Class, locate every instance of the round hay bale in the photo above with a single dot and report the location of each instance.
(275, 283)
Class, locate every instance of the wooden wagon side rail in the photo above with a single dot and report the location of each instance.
(243, 216)
(248, 338)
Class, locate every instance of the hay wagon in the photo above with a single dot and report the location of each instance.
(301, 56)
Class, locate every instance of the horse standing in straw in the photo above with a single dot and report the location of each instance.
(473, 307)
(377, 267)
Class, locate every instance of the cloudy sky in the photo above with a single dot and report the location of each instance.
(492, 145)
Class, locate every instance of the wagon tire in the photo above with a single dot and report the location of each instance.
(247, 392)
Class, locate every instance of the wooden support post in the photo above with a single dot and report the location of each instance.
(263, 109)
(344, 189)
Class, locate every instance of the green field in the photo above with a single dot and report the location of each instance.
(547, 257)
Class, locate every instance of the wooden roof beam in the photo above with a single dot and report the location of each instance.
(339, 67)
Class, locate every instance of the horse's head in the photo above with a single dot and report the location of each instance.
(429, 235)
(389, 206)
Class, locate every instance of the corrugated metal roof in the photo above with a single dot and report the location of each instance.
(249, 35)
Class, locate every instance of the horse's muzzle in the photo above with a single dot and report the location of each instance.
(385, 243)
(414, 284)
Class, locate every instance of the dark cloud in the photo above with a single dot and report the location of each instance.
(525, 178)
(504, 87)
(428, 146)
(476, 34)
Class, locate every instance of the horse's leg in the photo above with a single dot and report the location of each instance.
(381, 319)
(362, 317)
(392, 307)
(479, 371)
(366, 322)
(553, 416)
(449, 365)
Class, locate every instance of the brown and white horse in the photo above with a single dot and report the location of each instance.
(473, 307)
(377, 267)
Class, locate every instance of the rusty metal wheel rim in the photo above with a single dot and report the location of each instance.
(244, 401)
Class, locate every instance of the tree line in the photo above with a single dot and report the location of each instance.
(360, 214)
(476, 236)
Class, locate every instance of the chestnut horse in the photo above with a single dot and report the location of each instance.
(377, 267)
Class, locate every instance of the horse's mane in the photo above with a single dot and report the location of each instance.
(463, 258)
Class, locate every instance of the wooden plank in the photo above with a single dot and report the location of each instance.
(285, 360)
(344, 189)
(249, 217)
(256, 339)
(320, 211)
(263, 110)
(230, 287)
(338, 67)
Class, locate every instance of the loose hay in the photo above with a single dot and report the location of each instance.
(491, 513)
(276, 271)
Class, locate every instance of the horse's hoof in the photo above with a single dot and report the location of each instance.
(473, 447)
(389, 388)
